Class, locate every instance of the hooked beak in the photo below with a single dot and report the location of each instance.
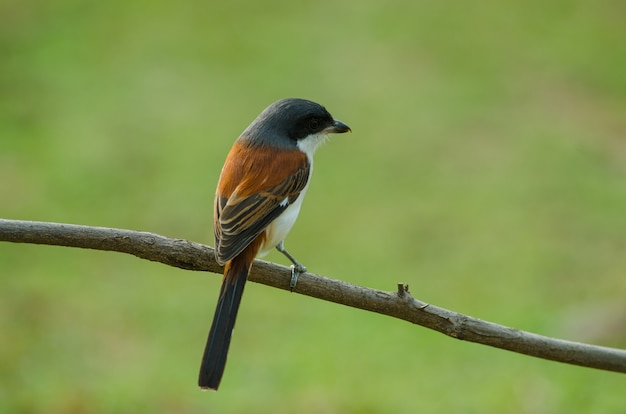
(337, 128)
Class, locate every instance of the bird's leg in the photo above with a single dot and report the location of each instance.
(296, 268)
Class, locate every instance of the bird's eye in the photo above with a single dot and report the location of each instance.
(314, 124)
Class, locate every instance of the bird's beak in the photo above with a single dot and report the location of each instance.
(337, 128)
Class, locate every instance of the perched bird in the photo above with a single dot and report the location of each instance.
(258, 198)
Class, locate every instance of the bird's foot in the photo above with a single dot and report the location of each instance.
(296, 270)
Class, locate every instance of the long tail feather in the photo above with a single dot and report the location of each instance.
(216, 350)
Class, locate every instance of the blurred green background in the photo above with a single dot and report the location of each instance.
(486, 169)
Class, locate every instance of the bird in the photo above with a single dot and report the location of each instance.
(259, 194)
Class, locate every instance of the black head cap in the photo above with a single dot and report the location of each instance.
(285, 122)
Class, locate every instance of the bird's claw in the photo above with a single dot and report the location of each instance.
(295, 272)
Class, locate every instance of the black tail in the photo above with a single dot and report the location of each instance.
(216, 350)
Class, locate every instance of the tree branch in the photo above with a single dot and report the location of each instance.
(400, 304)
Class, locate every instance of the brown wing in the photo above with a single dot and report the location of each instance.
(242, 216)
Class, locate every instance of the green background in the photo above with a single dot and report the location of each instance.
(486, 169)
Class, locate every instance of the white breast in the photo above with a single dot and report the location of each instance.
(280, 227)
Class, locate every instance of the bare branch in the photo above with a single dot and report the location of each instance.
(400, 304)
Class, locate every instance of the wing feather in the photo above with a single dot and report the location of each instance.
(240, 218)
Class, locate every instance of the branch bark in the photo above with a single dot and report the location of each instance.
(400, 304)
